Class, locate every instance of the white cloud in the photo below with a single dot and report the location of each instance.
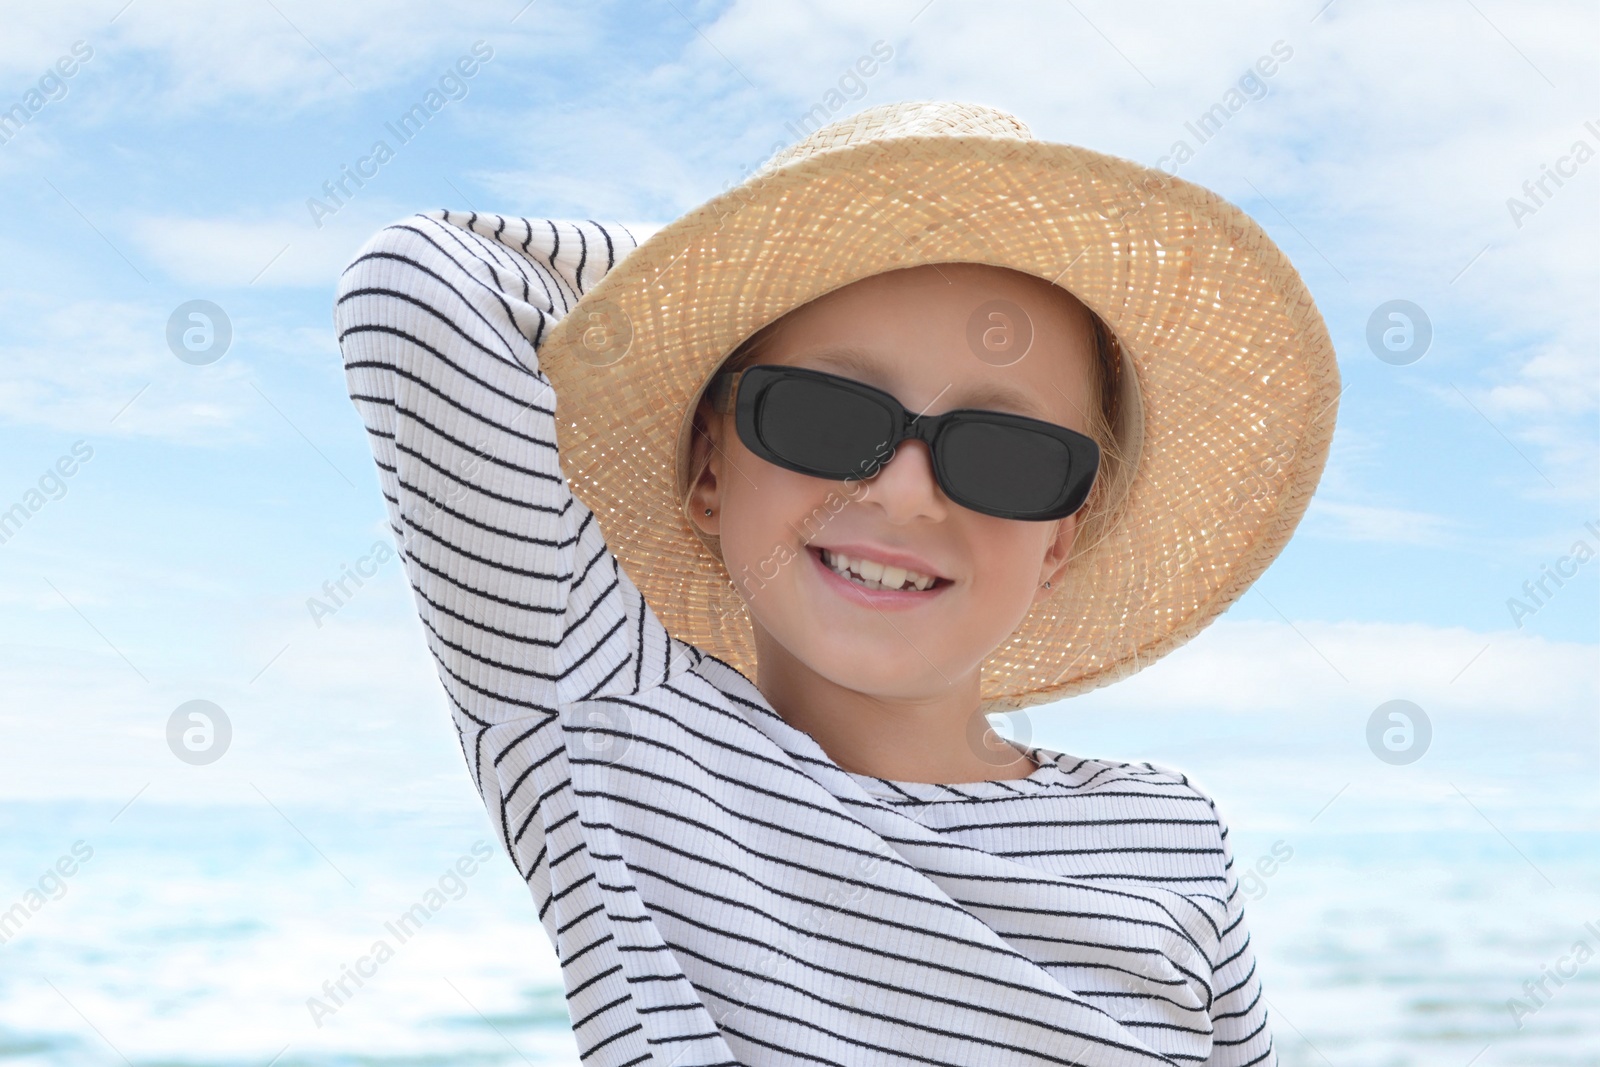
(283, 250)
(1365, 522)
(1314, 669)
(347, 714)
(1272, 719)
(100, 368)
(285, 55)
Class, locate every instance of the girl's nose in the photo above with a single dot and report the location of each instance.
(904, 485)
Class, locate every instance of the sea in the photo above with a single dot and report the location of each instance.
(257, 935)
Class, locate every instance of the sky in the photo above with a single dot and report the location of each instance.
(1438, 153)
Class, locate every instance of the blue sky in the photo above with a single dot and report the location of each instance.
(177, 161)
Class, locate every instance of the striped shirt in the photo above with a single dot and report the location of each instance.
(718, 890)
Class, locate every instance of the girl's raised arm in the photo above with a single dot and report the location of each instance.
(439, 317)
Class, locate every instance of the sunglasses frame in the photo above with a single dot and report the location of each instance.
(728, 389)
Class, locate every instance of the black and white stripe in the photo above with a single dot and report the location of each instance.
(718, 890)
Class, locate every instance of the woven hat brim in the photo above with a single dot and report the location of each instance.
(1237, 376)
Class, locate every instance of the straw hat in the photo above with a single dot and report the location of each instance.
(1229, 383)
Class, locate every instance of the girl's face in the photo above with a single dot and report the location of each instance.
(907, 332)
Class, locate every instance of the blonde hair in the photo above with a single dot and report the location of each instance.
(1096, 518)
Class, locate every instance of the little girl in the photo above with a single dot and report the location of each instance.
(928, 419)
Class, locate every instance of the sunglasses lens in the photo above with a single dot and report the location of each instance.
(1005, 469)
(1000, 465)
(826, 430)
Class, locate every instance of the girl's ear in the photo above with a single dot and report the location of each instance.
(1056, 554)
(705, 457)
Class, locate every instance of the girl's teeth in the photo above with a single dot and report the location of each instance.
(874, 575)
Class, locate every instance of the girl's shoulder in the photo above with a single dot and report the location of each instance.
(1145, 779)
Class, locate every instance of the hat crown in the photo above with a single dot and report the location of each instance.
(915, 118)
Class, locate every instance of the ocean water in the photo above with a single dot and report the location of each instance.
(190, 935)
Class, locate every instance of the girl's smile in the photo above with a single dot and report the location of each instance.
(876, 578)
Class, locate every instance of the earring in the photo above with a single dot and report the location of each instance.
(708, 511)
(1047, 585)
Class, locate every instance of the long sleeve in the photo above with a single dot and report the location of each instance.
(439, 317)
(1241, 1036)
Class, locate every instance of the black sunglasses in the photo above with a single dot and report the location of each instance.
(827, 426)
